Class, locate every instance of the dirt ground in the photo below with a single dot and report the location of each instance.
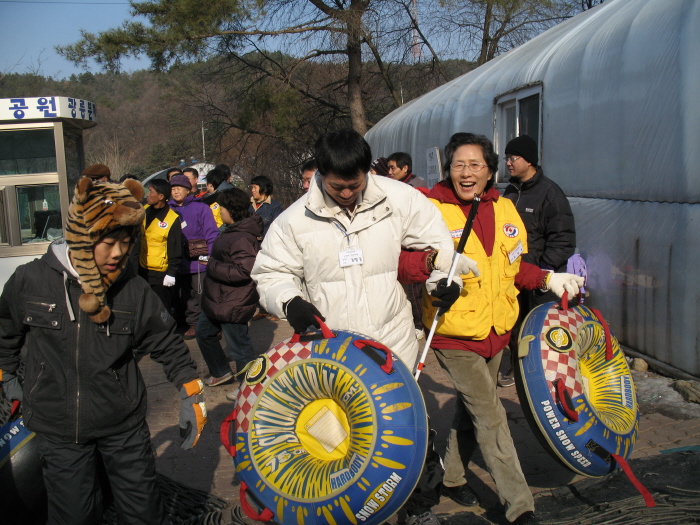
(667, 452)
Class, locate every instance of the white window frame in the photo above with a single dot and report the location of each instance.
(507, 100)
(14, 245)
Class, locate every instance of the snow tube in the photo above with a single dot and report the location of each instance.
(576, 389)
(329, 427)
(21, 481)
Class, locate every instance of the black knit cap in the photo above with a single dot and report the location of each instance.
(525, 147)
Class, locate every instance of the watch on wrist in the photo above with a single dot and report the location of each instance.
(545, 281)
(430, 261)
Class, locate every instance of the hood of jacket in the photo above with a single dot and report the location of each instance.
(253, 225)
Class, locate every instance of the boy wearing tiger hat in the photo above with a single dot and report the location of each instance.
(79, 311)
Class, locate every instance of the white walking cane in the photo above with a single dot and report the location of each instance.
(460, 248)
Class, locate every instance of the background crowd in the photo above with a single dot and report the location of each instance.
(214, 255)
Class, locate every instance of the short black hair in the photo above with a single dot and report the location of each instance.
(128, 176)
(264, 183)
(401, 159)
(223, 168)
(236, 202)
(161, 186)
(171, 172)
(464, 139)
(344, 153)
(215, 177)
(122, 232)
(309, 165)
(191, 170)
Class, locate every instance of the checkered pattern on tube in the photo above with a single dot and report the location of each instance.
(559, 365)
(280, 355)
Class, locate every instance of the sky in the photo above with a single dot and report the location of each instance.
(32, 28)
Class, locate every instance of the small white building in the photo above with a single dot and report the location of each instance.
(41, 160)
(611, 96)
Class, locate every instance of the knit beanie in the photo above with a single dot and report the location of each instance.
(525, 147)
(97, 171)
(380, 166)
(97, 209)
(180, 180)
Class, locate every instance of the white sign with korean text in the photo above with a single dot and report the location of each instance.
(434, 166)
(44, 108)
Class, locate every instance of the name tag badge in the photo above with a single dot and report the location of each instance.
(515, 252)
(184, 224)
(350, 257)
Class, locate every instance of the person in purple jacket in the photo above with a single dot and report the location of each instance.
(230, 296)
(197, 222)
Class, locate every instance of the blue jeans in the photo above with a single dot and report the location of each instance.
(239, 346)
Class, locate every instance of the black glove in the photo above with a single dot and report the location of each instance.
(447, 295)
(300, 314)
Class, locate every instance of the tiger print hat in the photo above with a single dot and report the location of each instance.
(97, 209)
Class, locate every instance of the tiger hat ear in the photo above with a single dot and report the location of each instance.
(135, 187)
(82, 189)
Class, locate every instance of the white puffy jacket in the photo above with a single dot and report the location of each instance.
(299, 257)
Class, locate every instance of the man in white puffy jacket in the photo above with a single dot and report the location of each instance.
(335, 253)
(338, 247)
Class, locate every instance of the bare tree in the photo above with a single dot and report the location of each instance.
(480, 30)
(113, 154)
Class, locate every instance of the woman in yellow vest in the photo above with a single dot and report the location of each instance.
(471, 335)
(161, 242)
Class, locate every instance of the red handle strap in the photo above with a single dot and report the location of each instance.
(227, 432)
(565, 400)
(265, 515)
(15, 408)
(389, 360)
(608, 337)
(327, 333)
(648, 498)
(565, 300)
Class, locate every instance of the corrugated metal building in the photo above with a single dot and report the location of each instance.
(613, 98)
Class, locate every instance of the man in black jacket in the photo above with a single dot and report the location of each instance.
(548, 219)
(544, 209)
(83, 394)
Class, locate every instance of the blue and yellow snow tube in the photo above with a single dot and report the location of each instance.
(576, 389)
(328, 428)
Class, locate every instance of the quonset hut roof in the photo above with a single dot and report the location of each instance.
(620, 133)
(620, 86)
